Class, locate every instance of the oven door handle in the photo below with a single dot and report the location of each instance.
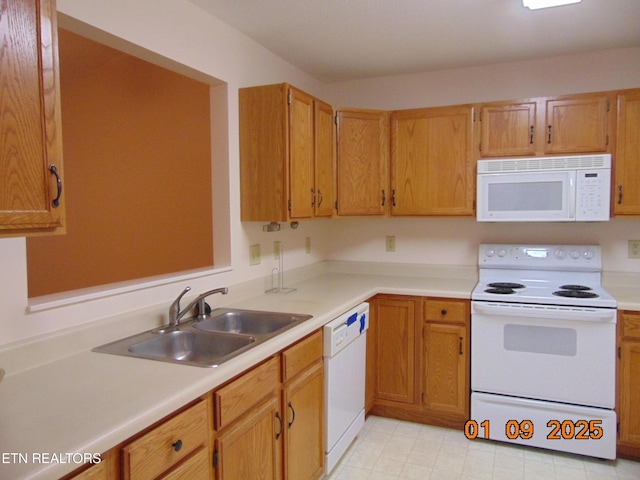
(541, 311)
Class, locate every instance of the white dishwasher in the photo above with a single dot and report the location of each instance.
(345, 351)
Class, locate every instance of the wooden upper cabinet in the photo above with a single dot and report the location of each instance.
(626, 189)
(301, 154)
(324, 160)
(30, 126)
(577, 124)
(567, 125)
(507, 129)
(283, 133)
(432, 171)
(362, 162)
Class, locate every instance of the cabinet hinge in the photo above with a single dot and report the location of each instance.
(289, 205)
(423, 398)
(480, 146)
(607, 139)
(215, 459)
(619, 352)
(608, 105)
(336, 205)
(618, 428)
(335, 118)
(289, 98)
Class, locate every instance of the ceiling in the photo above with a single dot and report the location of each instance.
(338, 40)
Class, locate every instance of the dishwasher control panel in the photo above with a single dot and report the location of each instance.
(346, 328)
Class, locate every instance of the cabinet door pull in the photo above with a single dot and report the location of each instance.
(293, 414)
(531, 135)
(461, 346)
(281, 425)
(177, 445)
(313, 197)
(56, 201)
(549, 135)
(393, 197)
(319, 197)
(619, 194)
(384, 198)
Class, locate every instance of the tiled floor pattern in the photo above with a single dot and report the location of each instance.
(389, 449)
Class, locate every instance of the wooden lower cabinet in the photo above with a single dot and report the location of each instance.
(270, 421)
(421, 359)
(251, 448)
(303, 404)
(629, 384)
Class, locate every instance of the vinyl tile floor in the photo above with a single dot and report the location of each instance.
(388, 449)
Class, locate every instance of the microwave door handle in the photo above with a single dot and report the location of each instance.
(572, 195)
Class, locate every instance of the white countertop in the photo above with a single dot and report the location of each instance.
(88, 402)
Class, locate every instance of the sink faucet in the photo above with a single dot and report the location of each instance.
(175, 314)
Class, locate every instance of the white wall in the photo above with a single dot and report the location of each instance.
(180, 31)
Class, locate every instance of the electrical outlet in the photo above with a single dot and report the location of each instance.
(254, 254)
(391, 243)
(276, 250)
(307, 245)
(634, 249)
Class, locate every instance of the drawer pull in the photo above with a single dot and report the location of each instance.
(444, 311)
(177, 445)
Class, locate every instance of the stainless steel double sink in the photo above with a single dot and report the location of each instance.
(206, 342)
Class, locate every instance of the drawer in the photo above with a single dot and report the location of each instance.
(234, 399)
(194, 468)
(630, 325)
(447, 310)
(302, 355)
(166, 445)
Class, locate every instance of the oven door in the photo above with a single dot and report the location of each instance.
(526, 197)
(562, 354)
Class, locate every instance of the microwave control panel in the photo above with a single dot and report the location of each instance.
(593, 194)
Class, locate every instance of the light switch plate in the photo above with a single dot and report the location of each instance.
(634, 248)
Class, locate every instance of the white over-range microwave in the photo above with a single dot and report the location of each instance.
(544, 189)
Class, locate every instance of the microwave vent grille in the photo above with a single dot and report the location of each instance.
(509, 165)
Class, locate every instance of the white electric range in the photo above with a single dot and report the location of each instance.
(543, 349)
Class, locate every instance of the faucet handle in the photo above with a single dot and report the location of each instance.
(174, 309)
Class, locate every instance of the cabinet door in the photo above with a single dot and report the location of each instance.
(304, 430)
(444, 359)
(30, 128)
(627, 162)
(431, 161)
(577, 124)
(301, 154)
(630, 393)
(263, 153)
(324, 159)
(395, 333)
(362, 163)
(251, 449)
(508, 130)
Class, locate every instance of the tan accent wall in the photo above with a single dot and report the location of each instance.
(137, 152)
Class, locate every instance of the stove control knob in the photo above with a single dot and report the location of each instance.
(502, 252)
(560, 254)
(588, 254)
(490, 252)
(575, 254)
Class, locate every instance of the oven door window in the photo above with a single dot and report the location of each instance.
(526, 196)
(543, 340)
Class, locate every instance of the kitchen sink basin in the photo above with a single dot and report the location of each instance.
(206, 342)
(192, 347)
(249, 322)
(186, 346)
